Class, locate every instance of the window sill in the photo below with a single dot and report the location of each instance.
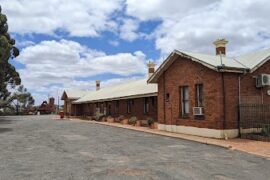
(184, 117)
(199, 117)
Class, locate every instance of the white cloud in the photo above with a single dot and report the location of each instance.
(114, 43)
(128, 29)
(189, 25)
(194, 25)
(78, 18)
(24, 43)
(54, 65)
(162, 9)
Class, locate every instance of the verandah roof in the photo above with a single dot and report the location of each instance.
(134, 89)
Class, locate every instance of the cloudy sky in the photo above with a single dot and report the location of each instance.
(70, 44)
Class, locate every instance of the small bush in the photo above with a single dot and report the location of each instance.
(266, 130)
(132, 120)
(150, 121)
(99, 116)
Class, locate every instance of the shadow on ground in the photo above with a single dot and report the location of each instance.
(6, 120)
(3, 130)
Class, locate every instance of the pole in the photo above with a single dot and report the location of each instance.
(58, 102)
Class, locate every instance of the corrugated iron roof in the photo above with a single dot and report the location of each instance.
(74, 94)
(133, 89)
(215, 61)
(255, 59)
(238, 64)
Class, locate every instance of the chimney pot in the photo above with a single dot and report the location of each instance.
(220, 46)
(151, 68)
(97, 85)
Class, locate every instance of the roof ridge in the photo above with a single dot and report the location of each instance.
(253, 52)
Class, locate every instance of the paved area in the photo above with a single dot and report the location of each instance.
(37, 147)
(259, 148)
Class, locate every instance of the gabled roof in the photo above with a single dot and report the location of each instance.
(73, 94)
(134, 89)
(255, 59)
(248, 62)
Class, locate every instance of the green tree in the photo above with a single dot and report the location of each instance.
(9, 77)
(24, 99)
(20, 100)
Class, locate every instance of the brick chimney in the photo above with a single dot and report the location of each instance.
(97, 85)
(220, 46)
(151, 68)
(51, 101)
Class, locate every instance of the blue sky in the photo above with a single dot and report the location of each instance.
(70, 45)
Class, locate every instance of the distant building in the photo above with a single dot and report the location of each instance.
(47, 108)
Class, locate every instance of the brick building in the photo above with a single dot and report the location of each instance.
(199, 94)
(135, 98)
(70, 96)
(189, 93)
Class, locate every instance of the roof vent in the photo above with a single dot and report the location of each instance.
(220, 46)
(97, 85)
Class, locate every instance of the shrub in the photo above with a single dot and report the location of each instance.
(266, 130)
(99, 116)
(150, 121)
(132, 120)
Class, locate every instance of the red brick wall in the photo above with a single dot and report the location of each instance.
(231, 100)
(249, 93)
(137, 109)
(69, 108)
(184, 72)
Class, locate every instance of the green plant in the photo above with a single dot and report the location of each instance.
(132, 120)
(99, 116)
(266, 130)
(150, 121)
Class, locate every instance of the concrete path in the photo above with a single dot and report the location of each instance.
(249, 146)
(37, 147)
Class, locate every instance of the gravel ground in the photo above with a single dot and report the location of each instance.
(37, 147)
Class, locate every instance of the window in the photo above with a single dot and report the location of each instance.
(129, 104)
(116, 106)
(105, 111)
(146, 105)
(153, 101)
(199, 95)
(109, 109)
(184, 101)
(167, 97)
(97, 108)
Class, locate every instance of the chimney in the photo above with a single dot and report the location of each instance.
(220, 46)
(97, 85)
(151, 68)
(51, 101)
